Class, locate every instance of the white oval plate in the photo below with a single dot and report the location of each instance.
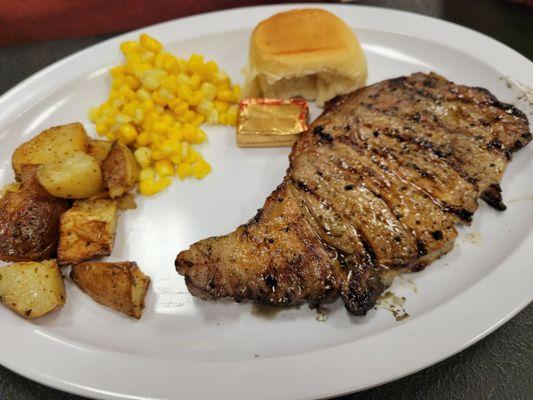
(187, 348)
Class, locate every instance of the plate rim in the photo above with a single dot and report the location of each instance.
(499, 52)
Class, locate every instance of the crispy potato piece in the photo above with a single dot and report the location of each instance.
(29, 181)
(51, 145)
(77, 176)
(29, 221)
(121, 286)
(32, 289)
(120, 170)
(87, 230)
(99, 149)
(10, 187)
(126, 202)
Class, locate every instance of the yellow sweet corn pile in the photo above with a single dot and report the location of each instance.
(156, 106)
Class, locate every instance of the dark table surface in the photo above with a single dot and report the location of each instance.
(499, 366)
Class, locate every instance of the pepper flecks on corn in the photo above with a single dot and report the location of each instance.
(157, 104)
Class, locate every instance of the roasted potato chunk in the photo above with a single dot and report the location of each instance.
(32, 289)
(29, 221)
(121, 286)
(10, 187)
(120, 170)
(87, 230)
(77, 176)
(51, 145)
(99, 149)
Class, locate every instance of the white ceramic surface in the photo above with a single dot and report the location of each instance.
(186, 348)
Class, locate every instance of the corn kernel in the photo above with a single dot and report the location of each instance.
(199, 137)
(158, 100)
(184, 170)
(129, 47)
(237, 91)
(164, 168)
(127, 134)
(175, 133)
(102, 128)
(226, 95)
(158, 61)
(157, 155)
(117, 71)
(189, 133)
(193, 156)
(169, 62)
(143, 155)
(150, 83)
(195, 81)
(94, 114)
(159, 127)
(198, 120)
(187, 116)
(147, 173)
(181, 107)
(204, 107)
(232, 120)
(223, 119)
(143, 94)
(147, 105)
(195, 63)
(138, 116)
(143, 138)
(183, 79)
(170, 146)
(211, 67)
(201, 169)
(148, 187)
(123, 119)
(184, 150)
(148, 57)
(175, 158)
(212, 118)
(221, 106)
(196, 98)
(184, 92)
(169, 84)
(150, 43)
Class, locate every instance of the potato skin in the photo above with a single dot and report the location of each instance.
(120, 170)
(99, 149)
(32, 289)
(121, 286)
(51, 145)
(29, 221)
(77, 176)
(87, 230)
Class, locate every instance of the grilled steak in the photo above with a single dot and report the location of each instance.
(374, 188)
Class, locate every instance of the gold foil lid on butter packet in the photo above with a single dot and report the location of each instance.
(271, 122)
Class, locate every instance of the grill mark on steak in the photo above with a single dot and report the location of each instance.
(409, 205)
(374, 188)
(435, 189)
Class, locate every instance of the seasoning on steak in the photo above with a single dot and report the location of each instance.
(374, 188)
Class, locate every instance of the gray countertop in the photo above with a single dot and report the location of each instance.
(498, 367)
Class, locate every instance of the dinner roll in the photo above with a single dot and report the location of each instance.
(305, 52)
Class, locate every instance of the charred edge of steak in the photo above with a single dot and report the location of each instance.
(363, 289)
(508, 108)
(324, 136)
(493, 196)
(492, 101)
(464, 215)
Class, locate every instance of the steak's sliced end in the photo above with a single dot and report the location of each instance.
(275, 259)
